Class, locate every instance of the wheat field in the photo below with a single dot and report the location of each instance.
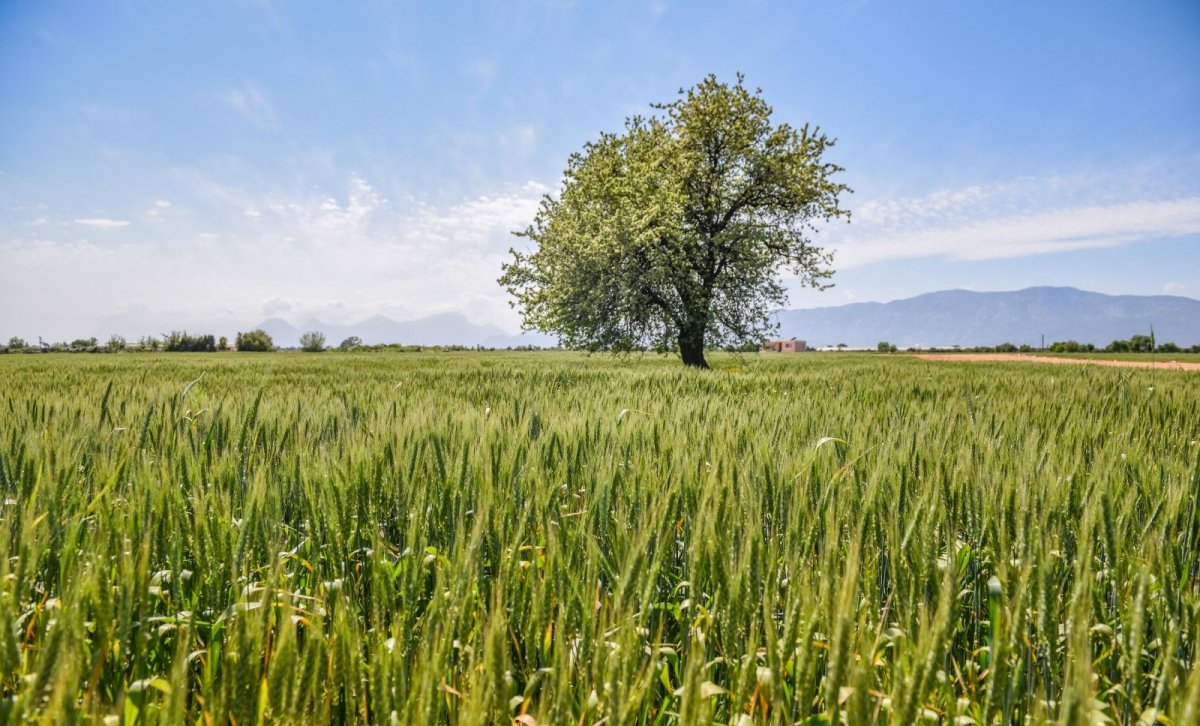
(552, 538)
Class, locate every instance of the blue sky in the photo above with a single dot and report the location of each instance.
(210, 165)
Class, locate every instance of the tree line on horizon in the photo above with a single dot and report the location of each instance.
(259, 341)
(253, 341)
(1135, 344)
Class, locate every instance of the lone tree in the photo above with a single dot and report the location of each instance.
(257, 341)
(312, 342)
(671, 235)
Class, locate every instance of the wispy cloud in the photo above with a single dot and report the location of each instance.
(251, 102)
(483, 71)
(341, 254)
(1020, 218)
(102, 222)
(519, 141)
(233, 247)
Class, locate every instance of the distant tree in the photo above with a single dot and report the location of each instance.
(312, 342)
(1025, 348)
(255, 341)
(885, 347)
(1119, 346)
(1006, 348)
(842, 346)
(83, 344)
(1067, 346)
(149, 343)
(116, 343)
(672, 233)
(1194, 348)
(15, 343)
(350, 343)
(1169, 348)
(180, 342)
(1142, 343)
(223, 343)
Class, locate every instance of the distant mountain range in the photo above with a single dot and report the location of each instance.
(941, 319)
(440, 329)
(965, 318)
(947, 318)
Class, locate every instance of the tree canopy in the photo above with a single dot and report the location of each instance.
(673, 233)
(257, 341)
(312, 341)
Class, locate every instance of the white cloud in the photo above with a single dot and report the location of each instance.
(102, 222)
(519, 141)
(251, 102)
(157, 210)
(232, 254)
(277, 305)
(1019, 218)
(483, 70)
(341, 257)
(1177, 288)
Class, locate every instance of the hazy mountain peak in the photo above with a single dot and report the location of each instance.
(445, 328)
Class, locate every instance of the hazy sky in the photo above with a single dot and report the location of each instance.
(219, 163)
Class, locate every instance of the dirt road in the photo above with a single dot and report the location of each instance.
(1171, 365)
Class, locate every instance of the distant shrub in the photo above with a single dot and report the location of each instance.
(885, 347)
(1136, 344)
(256, 341)
(181, 342)
(312, 342)
(350, 343)
(115, 343)
(1169, 348)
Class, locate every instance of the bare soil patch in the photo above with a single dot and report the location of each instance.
(1017, 357)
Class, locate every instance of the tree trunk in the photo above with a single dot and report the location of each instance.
(691, 348)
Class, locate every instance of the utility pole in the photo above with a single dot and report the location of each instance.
(1153, 352)
(1043, 341)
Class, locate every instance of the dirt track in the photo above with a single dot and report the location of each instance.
(1171, 365)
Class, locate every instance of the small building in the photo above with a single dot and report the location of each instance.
(785, 346)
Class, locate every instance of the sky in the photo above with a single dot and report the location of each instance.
(209, 165)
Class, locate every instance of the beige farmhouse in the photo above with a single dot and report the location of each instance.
(785, 346)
